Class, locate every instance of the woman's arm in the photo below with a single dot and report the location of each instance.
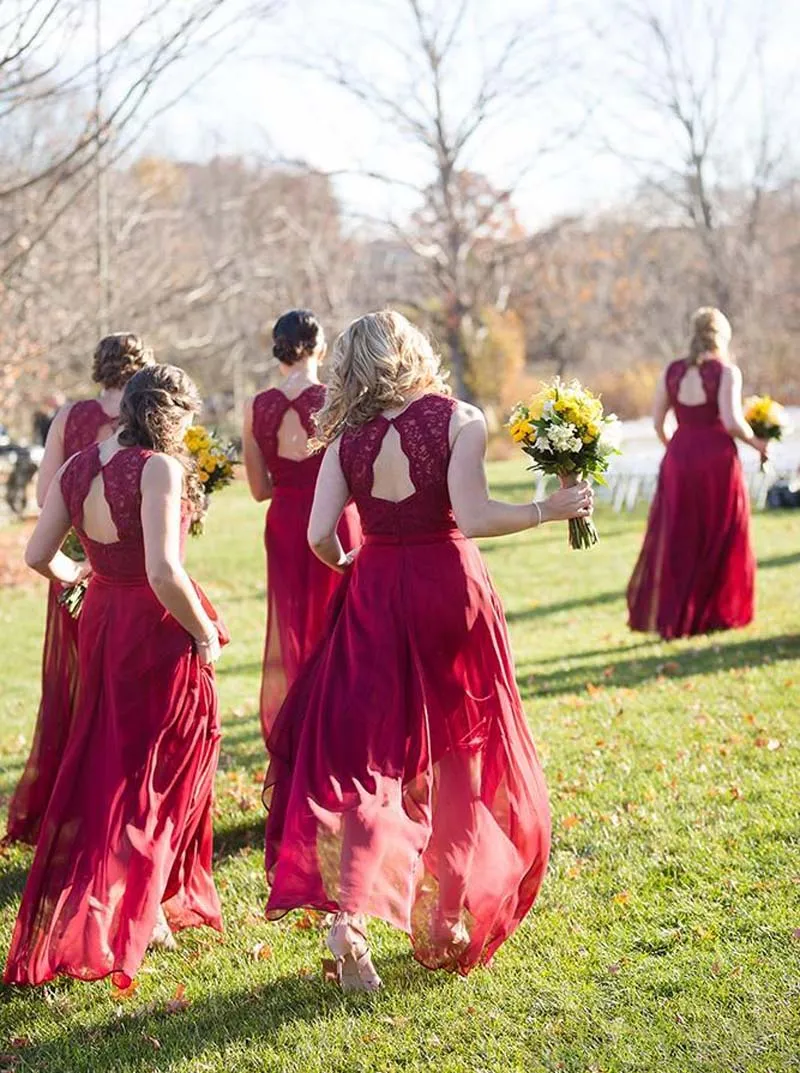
(258, 477)
(729, 400)
(479, 516)
(53, 458)
(42, 553)
(661, 407)
(162, 489)
(330, 499)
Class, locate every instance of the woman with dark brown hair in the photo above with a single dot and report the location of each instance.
(279, 423)
(76, 425)
(124, 853)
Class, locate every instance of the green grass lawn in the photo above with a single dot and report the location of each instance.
(667, 935)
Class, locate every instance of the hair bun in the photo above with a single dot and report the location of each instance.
(296, 335)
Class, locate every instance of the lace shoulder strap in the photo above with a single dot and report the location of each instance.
(307, 404)
(84, 422)
(76, 480)
(123, 488)
(268, 409)
(358, 449)
(674, 375)
(711, 374)
(425, 434)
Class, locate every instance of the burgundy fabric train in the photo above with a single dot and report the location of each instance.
(86, 421)
(696, 570)
(299, 587)
(128, 825)
(403, 780)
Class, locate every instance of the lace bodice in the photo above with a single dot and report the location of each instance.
(704, 414)
(84, 422)
(122, 474)
(269, 409)
(424, 431)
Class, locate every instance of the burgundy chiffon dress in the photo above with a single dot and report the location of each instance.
(128, 825)
(299, 586)
(403, 779)
(696, 570)
(87, 422)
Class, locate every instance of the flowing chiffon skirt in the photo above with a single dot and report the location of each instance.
(403, 780)
(696, 570)
(128, 826)
(299, 592)
(53, 722)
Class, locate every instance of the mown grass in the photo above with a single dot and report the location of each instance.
(666, 934)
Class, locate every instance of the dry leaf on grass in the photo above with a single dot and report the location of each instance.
(178, 1003)
(261, 952)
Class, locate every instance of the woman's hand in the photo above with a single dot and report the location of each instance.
(84, 571)
(762, 446)
(573, 500)
(208, 648)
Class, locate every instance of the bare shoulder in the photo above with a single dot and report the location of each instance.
(162, 473)
(464, 413)
(732, 374)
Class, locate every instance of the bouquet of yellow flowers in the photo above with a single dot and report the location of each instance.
(766, 417)
(215, 460)
(564, 430)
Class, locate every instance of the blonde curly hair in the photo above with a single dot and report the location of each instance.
(379, 362)
(711, 334)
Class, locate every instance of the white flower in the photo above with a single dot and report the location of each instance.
(611, 434)
(548, 409)
(565, 438)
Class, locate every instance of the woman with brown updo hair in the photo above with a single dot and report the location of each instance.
(696, 570)
(124, 853)
(278, 425)
(76, 425)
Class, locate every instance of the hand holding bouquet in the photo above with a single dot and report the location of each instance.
(215, 461)
(564, 430)
(766, 418)
(71, 597)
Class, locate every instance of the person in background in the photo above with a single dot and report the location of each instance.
(124, 852)
(403, 781)
(696, 570)
(75, 426)
(278, 425)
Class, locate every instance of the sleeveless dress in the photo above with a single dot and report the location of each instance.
(128, 826)
(403, 779)
(299, 586)
(696, 570)
(85, 421)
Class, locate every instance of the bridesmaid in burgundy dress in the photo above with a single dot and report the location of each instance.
(278, 425)
(124, 852)
(696, 570)
(403, 780)
(75, 426)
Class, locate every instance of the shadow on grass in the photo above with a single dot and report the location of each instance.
(779, 560)
(633, 672)
(249, 834)
(543, 610)
(213, 1024)
(12, 882)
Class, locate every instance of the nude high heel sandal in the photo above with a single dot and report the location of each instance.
(352, 969)
(162, 937)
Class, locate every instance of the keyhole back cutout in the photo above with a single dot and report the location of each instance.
(292, 437)
(98, 523)
(691, 390)
(391, 472)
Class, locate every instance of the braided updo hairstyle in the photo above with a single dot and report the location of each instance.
(297, 335)
(711, 334)
(118, 357)
(154, 405)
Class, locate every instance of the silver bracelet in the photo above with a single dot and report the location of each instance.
(538, 514)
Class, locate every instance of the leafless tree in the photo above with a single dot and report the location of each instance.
(701, 124)
(464, 77)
